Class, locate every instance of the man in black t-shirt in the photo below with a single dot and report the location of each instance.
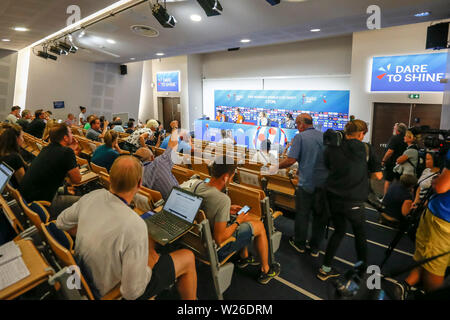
(37, 126)
(47, 172)
(349, 166)
(399, 198)
(395, 148)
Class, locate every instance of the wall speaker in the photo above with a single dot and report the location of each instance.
(123, 69)
(437, 36)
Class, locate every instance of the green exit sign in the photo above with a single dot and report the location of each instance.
(414, 96)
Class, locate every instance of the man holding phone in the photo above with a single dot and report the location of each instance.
(217, 207)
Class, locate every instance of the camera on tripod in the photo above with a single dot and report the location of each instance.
(433, 139)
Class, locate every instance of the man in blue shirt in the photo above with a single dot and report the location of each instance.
(307, 149)
(433, 237)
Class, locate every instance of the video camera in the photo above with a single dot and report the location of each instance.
(433, 139)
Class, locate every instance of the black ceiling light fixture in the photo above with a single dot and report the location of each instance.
(273, 2)
(44, 54)
(164, 18)
(211, 7)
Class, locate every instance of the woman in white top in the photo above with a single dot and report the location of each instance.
(431, 168)
(139, 137)
(227, 137)
(262, 119)
(82, 116)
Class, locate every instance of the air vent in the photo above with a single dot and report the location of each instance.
(145, 31)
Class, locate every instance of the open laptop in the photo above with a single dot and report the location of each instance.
(6, 173)
(175, 219)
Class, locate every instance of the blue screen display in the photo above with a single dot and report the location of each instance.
(58, 104)
(168, 81)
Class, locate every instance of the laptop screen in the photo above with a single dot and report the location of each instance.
(5, 173)
(182, 204)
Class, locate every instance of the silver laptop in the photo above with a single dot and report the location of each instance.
(6, 173)
(175, 219)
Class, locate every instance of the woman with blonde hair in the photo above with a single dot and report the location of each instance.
(407, 162)
(48, 127)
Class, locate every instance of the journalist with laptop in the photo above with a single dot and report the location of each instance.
(113, 245)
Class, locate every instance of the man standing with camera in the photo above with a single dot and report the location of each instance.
(307, 149)
(349, 163)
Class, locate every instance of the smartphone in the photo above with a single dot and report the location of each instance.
(245, 209)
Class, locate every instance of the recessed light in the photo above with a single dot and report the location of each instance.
(245, 40)
(6, 40)
(315, 30)
(20, 29)
(110, 41)
(132, 58)
(160, 54)
(422, 14)
(196, 18)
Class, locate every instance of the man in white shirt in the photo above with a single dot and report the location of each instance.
(113, 245)
(14, 115)
(82, 116)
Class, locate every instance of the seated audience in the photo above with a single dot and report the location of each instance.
(70, 121)
(123, 252)
(37, 126)
(48, 115)
(105, 155)
(117, 126)
(48, 170)
(11, 139)
(87, 125)
(430, 171)
(433, 237)
(158, 171)
(185, 143)
(217, 207)
(94, 132)
(130, 127)
(48, 126)
(14, 115)
(398, 200)
(24, 122)
(227, 137)
(139, 137)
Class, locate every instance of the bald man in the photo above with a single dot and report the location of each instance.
(114, 246)
(307, 149)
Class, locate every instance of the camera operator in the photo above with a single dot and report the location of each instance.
(433, 237)
(395, 148)
(347, 187)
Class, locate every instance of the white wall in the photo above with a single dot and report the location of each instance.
(195, 88)
(146, 110)
(173, 64)
(306, 65)
(401, 40)
(97, 86)
(8, 64)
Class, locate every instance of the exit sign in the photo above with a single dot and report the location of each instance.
(414, 96)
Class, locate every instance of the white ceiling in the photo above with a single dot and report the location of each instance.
(254, 19)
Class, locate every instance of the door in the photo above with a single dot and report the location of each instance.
(171, 111)
(387, 114)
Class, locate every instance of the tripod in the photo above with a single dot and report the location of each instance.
(409, 225)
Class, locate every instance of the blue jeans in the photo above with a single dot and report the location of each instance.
(306, 205)
(243, 235)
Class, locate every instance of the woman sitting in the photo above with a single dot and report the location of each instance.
(105, 155)
(11, 139)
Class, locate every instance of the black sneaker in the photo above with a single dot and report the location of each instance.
(243, 262)
(314, 253)
(299, 248)
(322, 275)
(274, 271)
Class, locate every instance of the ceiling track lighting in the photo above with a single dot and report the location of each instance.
(45, 55)
(211, 7)
(164, 18)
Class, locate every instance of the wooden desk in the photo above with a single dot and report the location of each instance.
(39, 271)
(85, 178)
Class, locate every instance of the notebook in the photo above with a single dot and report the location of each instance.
(175, 219)
(12, 266)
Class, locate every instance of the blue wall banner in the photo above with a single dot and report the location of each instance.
(168, 81)
(417, 72)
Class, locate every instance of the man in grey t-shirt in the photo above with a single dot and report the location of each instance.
(94, 132)
(217, 207)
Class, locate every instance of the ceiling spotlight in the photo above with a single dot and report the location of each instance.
(273, 2)
(196, 18)
(82, 33)
(160, 54)
(110, 41)
(315, 30)
(20, 29)
(132, 58)
(422, 14)
(160, 13)
(45, 55)
(211, 7)
(6, 40)
(56, 50)
(245, 40)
